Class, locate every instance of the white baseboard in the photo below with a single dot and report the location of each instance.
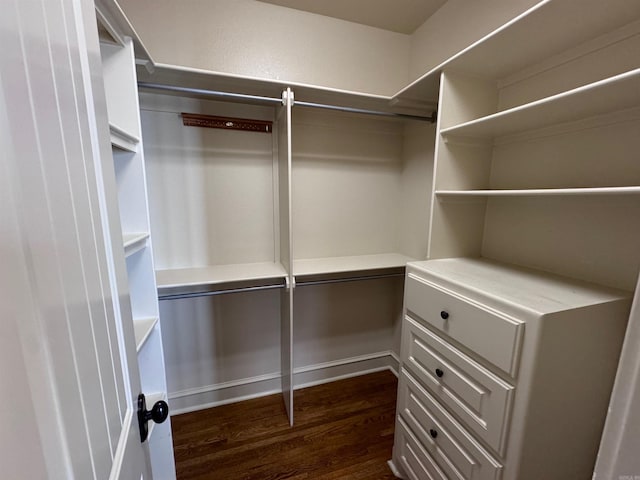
(394, 469)
(208, 396)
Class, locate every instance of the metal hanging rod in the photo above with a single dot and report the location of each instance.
(278, 101)
(366, 112)
(210, 93)
(348, 279)
(177, 296)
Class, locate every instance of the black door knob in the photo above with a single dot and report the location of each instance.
(433, 433)
(444, 315)
(158, 414)
(439, 373)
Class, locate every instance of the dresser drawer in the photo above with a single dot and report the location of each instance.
(416, 463)
(452, 448)
(477, 396)
(491, 334)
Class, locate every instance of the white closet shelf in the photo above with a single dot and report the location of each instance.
(616, 93)
(134, 242)
(219, 274)
(143, 328)
(540, 192)
(122, 139)
(510, 48)
(357, 263)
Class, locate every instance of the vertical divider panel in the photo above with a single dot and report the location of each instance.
(286, 249)
(456, 227)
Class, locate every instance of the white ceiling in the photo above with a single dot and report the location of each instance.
(402, 16)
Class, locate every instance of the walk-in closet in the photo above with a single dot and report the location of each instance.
(332, 240)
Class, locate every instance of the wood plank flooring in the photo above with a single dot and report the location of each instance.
(343, 430)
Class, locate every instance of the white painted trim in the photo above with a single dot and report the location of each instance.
(396, 370)
(204, 406)
(394, 469)
(222, 386)
(343, 361)
(121, 449)
(359, 373)
(391, 358)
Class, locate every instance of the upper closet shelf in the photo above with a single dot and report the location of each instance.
(340, 265)
(521, 42)
(539, 192)
(599, 98)
(218, 275)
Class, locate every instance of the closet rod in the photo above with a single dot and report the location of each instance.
(210, 93)
(348, 279)
(256, 98)
(431, 119)
(218, 292)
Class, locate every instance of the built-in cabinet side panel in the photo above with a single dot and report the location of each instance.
(286, 249)
(416, 179)
(618, 451)
(457, 227)
(569, 363)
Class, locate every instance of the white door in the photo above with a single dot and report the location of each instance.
(68, 372)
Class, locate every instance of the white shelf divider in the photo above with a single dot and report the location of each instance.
(134, 242)
(616, 93)
(540, 192)
(219, 274)
(357, 263)
(143, 328)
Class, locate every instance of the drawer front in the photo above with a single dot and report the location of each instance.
(416, 463)
(453, 449)
(478, 397)
(492, 335)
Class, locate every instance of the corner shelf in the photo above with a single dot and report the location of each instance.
(539, 192)
(143, 328)
(609, 95)
(494, 56)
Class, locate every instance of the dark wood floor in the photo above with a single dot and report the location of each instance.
(343, 430)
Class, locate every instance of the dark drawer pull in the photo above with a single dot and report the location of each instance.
(444, 315)
(433, 433)
(439, 372)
